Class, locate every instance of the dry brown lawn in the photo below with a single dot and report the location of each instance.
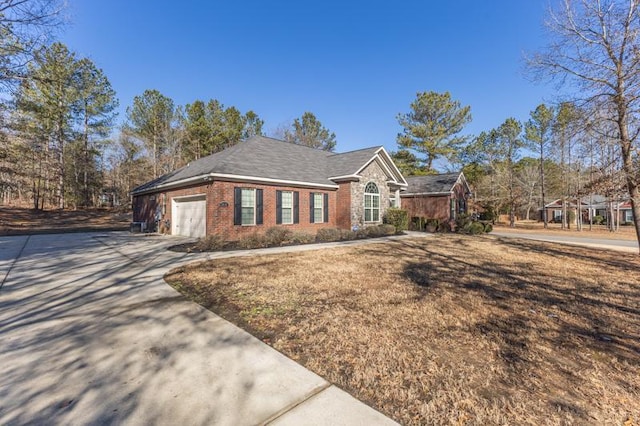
(18, 220)
(448, 330)
(596, 231)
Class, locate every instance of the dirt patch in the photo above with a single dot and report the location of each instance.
(450, 330)
(20, 221)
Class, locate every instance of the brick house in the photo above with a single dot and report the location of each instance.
(263, 182)
(441, 197)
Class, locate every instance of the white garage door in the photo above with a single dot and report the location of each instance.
(189, 216)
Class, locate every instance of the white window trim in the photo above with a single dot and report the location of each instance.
(282, 207)
(242, 206)
(372, 209)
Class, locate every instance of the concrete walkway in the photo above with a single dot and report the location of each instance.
(91, 334)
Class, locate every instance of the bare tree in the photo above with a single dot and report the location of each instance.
(595, 50)
(25, 27)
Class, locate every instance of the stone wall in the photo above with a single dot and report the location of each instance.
(372, 173)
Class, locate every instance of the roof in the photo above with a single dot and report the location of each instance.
(266, 159)
(433, 184)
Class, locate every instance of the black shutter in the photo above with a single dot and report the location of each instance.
(278, 207)
(296, 207)
(311, 207)
(326, 208)
(237, 206)
(258, 206)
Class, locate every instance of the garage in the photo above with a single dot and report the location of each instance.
(189, 216)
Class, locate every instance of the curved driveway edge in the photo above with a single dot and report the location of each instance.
(91, 334)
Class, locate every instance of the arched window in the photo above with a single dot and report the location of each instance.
(371, 203)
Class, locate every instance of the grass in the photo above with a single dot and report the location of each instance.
(448, 330)
(596, 231)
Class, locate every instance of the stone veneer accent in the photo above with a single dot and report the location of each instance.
(372, 173)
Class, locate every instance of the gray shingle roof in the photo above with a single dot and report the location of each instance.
(431, 184)
(348, 163)
(267, 158)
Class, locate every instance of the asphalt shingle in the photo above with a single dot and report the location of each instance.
(267, 158)
(431, 184)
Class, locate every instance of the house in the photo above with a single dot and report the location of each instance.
(441, 197)
(590, 207)
(263, 182)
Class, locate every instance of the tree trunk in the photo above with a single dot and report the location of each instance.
(542, 188)
(632, 175)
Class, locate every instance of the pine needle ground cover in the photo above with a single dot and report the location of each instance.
(448, 330)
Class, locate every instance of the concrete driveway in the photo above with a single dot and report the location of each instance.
(91, 334)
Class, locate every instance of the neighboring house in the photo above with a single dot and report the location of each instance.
(590, 207)
(555, 208)
(262, 182)
(441, 197)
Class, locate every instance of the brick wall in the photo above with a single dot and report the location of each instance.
(343, 206)
(430, 207)
(220, 205)
(144, 208)
(434, 206)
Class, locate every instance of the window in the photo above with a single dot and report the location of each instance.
(247, 206)
(287, 207)
(318, 207)
(628, 216)
(452, 208)
(371, 203)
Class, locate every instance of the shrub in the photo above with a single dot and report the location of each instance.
(462, 222)
(598, 220)
(388, 229)
(348, 235)
(398, 218)
(417, 223)
(432, 225)
(210, 243)
(328, 235)
(475, 228)
(362, 233)
(488, 227)
(301, 238)
(444, 227)
(253, 241)
(277, 235)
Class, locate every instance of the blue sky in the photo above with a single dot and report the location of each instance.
(355, 64)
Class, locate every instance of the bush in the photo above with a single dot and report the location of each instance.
(444, 227)
(348, 235)
(475, 228)
(210, 243)
(488, 227)
(253, 241)
(462, 222)
(328, 235)
(398, 218)
(598, 220)
(388, 229)
(417, 223)
(301, 238)
(277, 236)
(432, 225)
